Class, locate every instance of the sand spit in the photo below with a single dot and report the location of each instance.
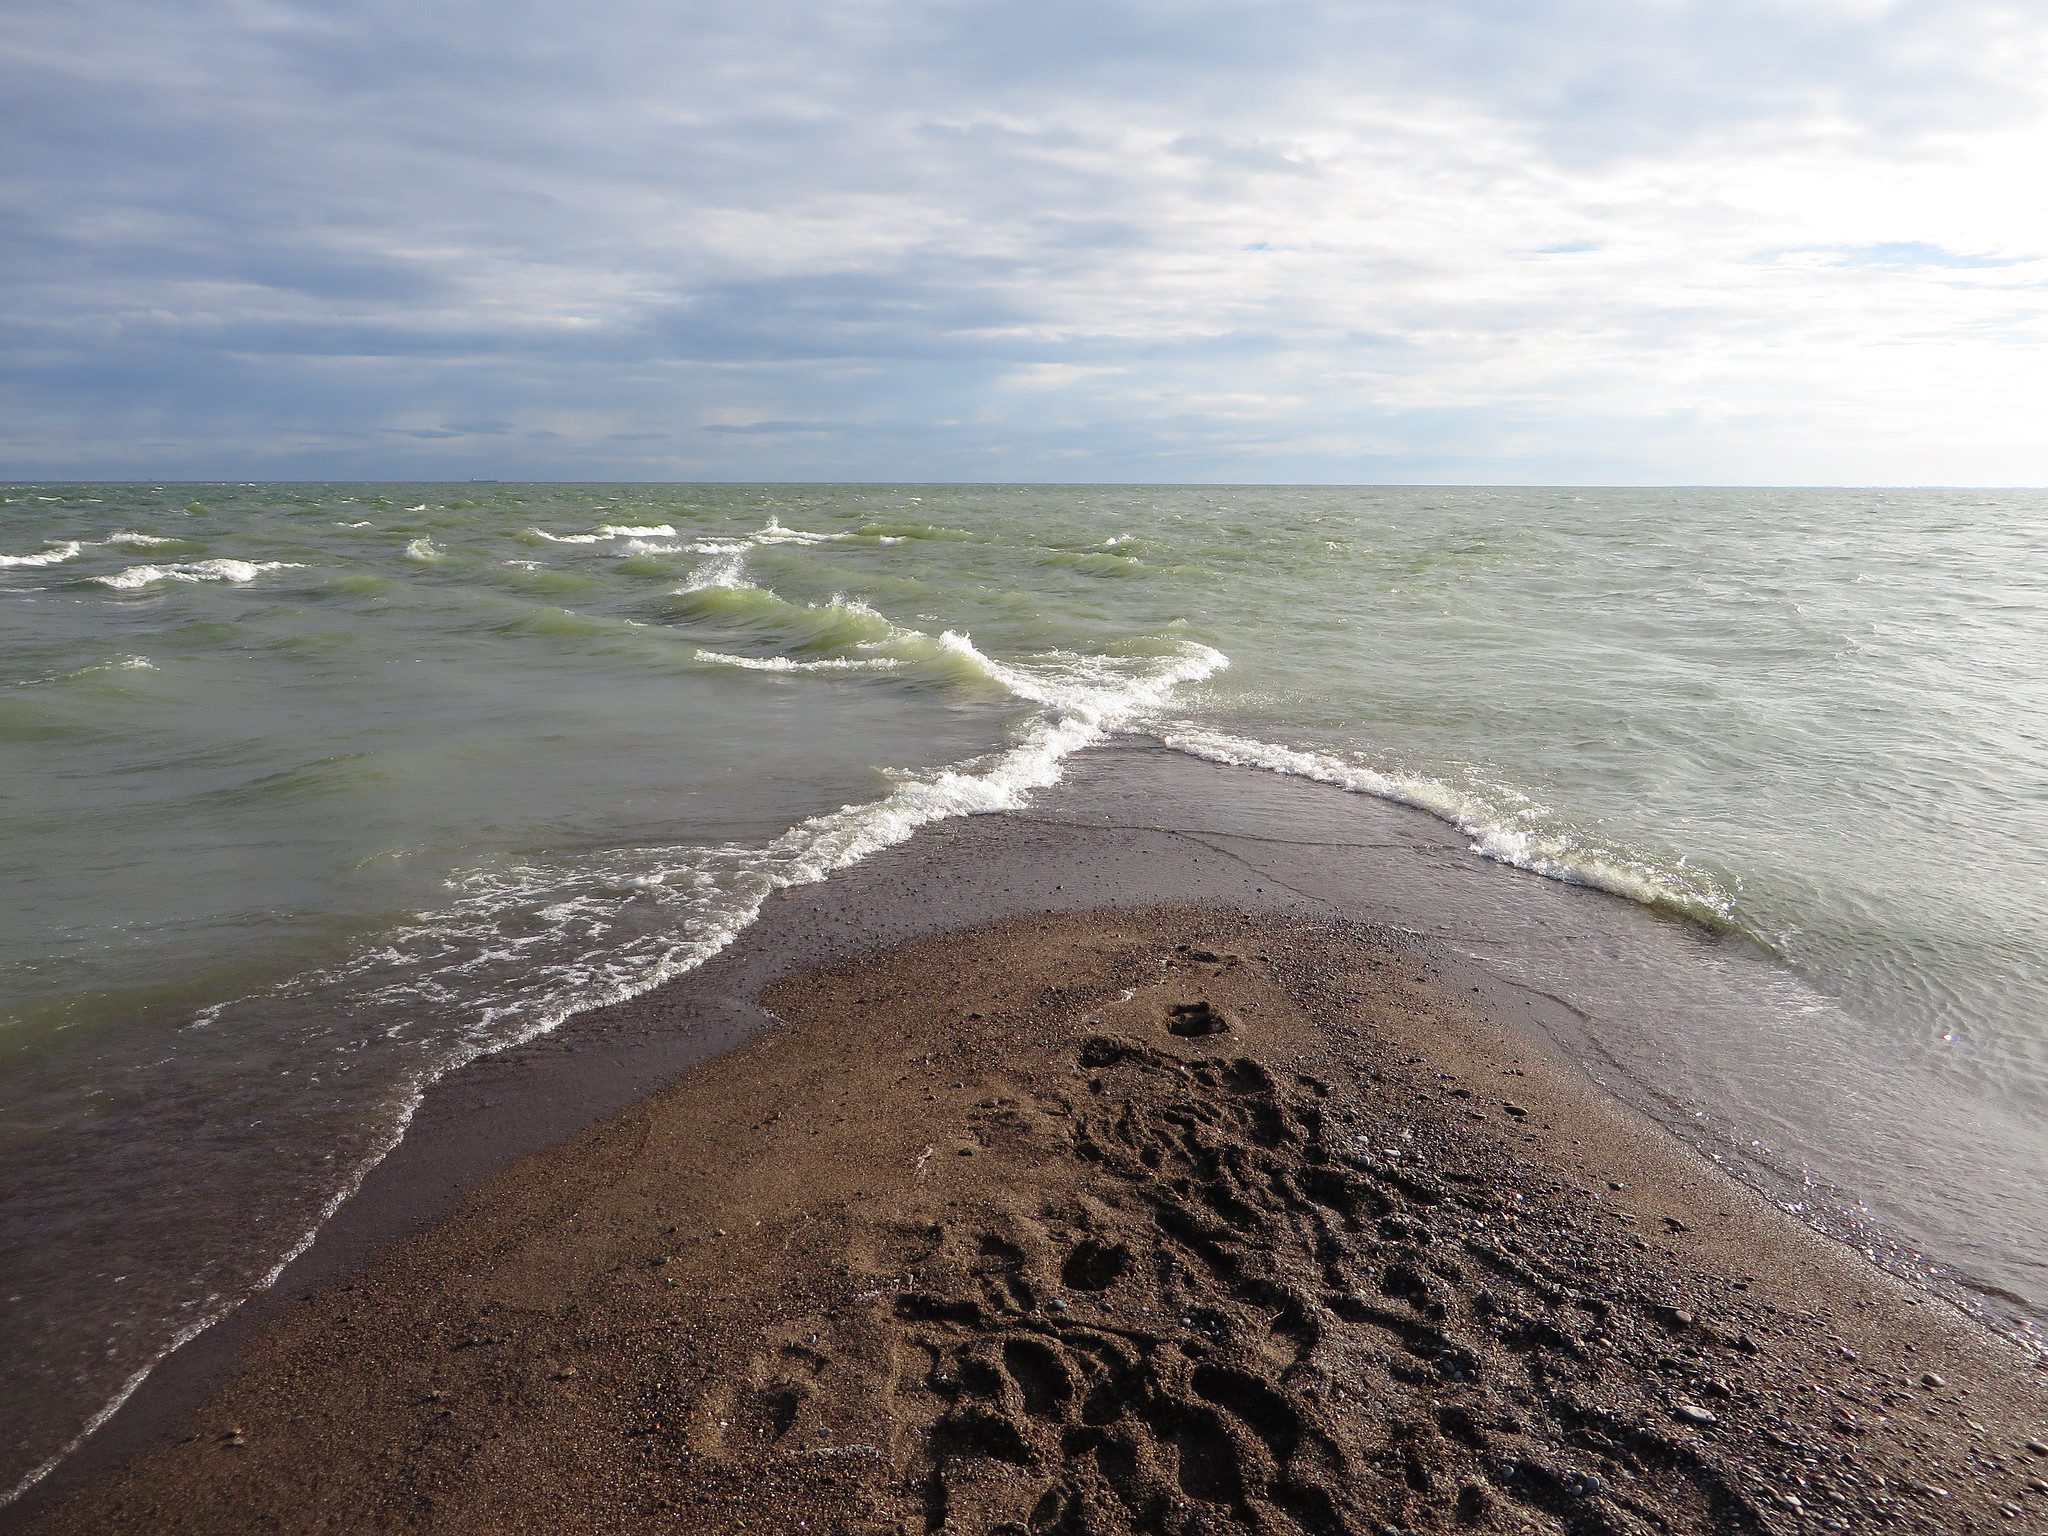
(1170, 1221)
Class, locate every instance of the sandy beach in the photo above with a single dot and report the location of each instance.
(1157, 1219)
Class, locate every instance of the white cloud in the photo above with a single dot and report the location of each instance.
(1617, 241)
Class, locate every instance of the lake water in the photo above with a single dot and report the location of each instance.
(309, 793)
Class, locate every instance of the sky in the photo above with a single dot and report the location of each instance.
(1467, 241)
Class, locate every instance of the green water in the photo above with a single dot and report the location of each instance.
(311, 792)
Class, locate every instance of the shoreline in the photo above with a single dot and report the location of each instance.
(1167, 1219)
(485, 1118)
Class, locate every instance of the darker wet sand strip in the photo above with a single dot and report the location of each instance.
(1163, 1220)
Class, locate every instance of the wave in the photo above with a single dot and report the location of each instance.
(1096, 562)
(727, 570)
(790, 664)
(769, 534)
(70, 549)
(605, 531)
(422, 551)
(1501, 824)
(840, 623)
(56, 554)
(775, 533)
(841, 634)
(237, 571)
(897, 532)
(125, 664)
(97, 669)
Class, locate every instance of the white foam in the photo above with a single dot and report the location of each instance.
(790, 664)
(1503, 826)
(609, 531)
(423, 552)
(56, 554)
(727, 569)
(363, 524)
(236, 571)
(136, 539)
(775, 533)
(124, 664)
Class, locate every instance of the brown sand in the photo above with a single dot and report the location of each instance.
(1163, 1221)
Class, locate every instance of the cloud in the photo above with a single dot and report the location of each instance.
(1905, 255)
(941, 238)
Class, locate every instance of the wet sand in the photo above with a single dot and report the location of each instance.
(1166, 1219)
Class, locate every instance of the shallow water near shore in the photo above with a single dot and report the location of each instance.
(317, 791)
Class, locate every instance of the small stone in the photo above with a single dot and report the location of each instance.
(1693, 1413)
(2038, 1447)
(966, 1152)
(1931, 1381)
(1514, 1109)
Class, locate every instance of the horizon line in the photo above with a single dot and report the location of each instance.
(1304, 485)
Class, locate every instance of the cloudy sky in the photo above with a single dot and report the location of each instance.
(1381, 240)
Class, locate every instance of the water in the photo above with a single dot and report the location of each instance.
(312, 792)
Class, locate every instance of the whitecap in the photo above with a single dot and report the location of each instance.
(422, 552)
(236, 571)
(724, 570)
(56, 554)
(790, 664)
(608, 531)
(775, 533)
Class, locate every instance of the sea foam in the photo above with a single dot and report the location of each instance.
(1502, 826)
(56, 554)
(237, 571)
